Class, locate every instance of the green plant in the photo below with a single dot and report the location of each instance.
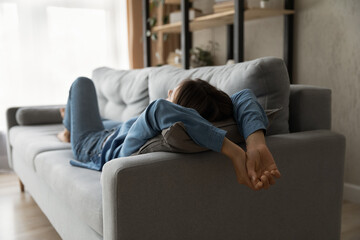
(204, 57)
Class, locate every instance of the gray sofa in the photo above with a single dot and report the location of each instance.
(166, 195)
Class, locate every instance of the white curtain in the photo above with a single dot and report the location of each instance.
(46, 44)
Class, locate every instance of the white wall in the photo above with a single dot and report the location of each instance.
(4, 166)
(327, 54)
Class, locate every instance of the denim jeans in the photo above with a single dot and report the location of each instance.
(82, 118)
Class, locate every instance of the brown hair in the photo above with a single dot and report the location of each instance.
(211, 103)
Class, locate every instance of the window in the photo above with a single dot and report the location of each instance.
(46, 45)
(77, 41)
(9, 55)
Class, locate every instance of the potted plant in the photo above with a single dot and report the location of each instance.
(203, 57)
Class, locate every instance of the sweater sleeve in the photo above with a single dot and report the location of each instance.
(161, 114)
(248, 113)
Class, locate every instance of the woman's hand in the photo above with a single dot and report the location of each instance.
(260, 164)
(238, 158)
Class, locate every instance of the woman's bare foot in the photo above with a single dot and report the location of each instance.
(62, 112)
(64, 136)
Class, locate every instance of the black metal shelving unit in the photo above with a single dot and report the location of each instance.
(235, 35)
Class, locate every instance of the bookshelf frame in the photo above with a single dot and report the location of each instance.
(233, 19)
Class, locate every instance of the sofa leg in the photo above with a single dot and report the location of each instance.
(22, 187)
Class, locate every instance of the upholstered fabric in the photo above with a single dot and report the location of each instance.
(38, 115)
(266, 77)
(196, 196)
(122, 94)
(310, 108)
(29, 141)
(80, 188)
(63, 217)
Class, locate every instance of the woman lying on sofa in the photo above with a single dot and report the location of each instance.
(195, 103)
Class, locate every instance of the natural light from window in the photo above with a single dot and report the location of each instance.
(77, 42)
(46, 45)
(9, 56)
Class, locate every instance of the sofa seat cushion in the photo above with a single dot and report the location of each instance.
(266, 77)
(29, 141)
(80, 188)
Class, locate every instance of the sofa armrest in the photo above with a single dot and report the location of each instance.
(33, 115)
(11, 117)
(310, 108)
(10, 122)
(196, 196)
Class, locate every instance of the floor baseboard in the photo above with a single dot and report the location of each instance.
(352, 192)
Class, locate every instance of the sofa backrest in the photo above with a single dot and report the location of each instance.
(266, 77)
(124, 94)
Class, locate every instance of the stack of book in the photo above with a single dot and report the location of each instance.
(225, 5)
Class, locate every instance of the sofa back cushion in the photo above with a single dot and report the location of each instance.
(266, 77)
(122, 94)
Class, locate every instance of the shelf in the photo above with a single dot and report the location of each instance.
(221, 19)
(176, 2)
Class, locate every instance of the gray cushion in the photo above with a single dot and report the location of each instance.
(38, 115)
(266, 77)
(176, 139)
(80, 188)
(122, 94)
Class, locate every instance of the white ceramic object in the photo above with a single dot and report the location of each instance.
(264, 4)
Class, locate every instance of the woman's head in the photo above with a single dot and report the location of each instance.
(211, 103)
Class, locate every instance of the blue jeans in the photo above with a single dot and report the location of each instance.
(82, 118)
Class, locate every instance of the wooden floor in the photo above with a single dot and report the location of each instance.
(21, 218)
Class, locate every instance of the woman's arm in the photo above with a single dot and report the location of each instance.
(248, 113)
(252, 122)
(161, 114)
